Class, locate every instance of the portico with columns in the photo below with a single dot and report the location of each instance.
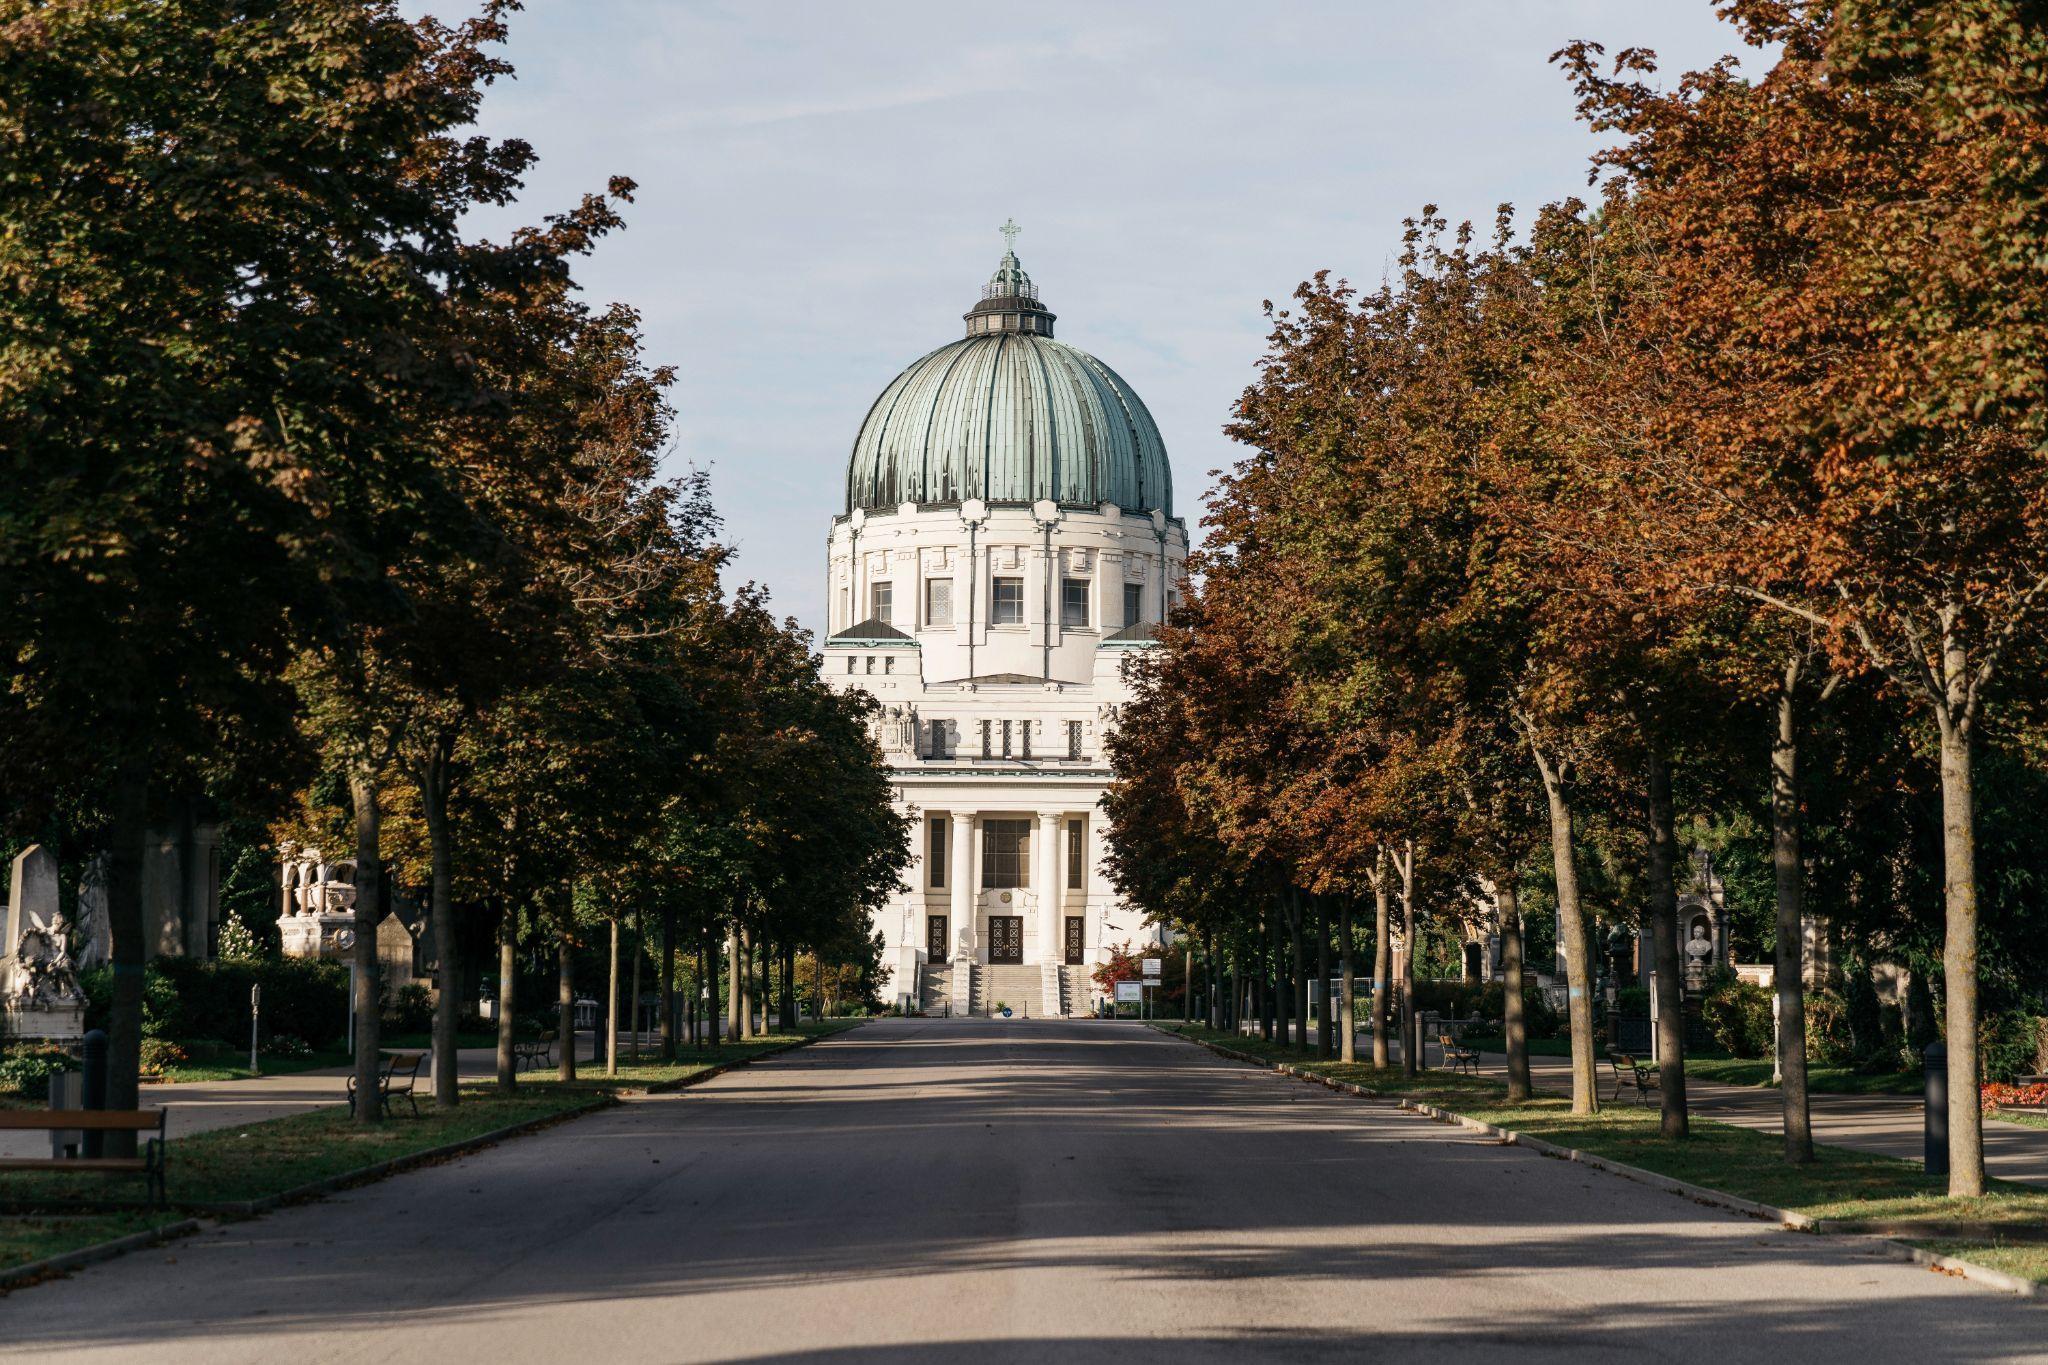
(1008, 542)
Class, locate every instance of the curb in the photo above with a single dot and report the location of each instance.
(1887, 1244)
(100, 1251)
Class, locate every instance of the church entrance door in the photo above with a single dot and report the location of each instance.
(1006, 938)
(936, 946)
(1076, 940)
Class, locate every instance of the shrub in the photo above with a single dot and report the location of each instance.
(1485, 1000)
(2008, 1044)
(412, 1011)
(1738, 1016)
(184, 999)
(288, 1045)
(1632, 1001)
(1827, 1029)
(160, 1055)
(1864, 1013)
(28, 1073)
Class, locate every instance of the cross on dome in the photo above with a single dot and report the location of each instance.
(1009, 229)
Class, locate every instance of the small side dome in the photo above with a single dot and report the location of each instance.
(1009, 415)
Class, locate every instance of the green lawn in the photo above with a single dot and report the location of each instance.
(1820, 1080)
(1839, 1184)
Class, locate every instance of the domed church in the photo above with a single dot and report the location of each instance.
(1008, 540)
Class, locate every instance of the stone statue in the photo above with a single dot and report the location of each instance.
(43, 997)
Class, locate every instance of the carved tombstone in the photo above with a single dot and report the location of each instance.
(42, 995)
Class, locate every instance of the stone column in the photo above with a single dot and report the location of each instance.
(1045, 876)
(961, 879)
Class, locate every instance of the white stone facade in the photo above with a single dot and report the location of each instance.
(994, 729)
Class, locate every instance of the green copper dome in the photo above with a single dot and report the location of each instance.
(1009, 415)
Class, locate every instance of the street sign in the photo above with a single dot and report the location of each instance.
(1151, 965)
(1130, 992)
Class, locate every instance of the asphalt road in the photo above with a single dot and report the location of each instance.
(1034, 1191)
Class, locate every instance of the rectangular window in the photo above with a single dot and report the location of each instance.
(881, 601)
(939, 740)
(986, 727)
(1074, 864)
(1134, 603)
(849, 663)
(1074, 604)
(889, 663)
(1024, 730)
(1073, 739)
(871, 663)
(1006, 602)
(1006, 854)
(1006, 739)
(936, 854)
(938, 602)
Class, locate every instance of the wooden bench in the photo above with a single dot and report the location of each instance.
(1456, 1057)
(536, 1054)
(1630, 1073)
(400, 1072)
(150, 1163)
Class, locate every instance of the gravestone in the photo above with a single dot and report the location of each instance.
(41, 991)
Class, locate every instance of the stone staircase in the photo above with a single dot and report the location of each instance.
(1021, 988)
(1078, 990)
(935, 987)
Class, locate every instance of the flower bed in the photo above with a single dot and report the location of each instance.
(1997, 1095)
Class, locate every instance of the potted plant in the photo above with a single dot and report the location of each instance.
(1003, 1008)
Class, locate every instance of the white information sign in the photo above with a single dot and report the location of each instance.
(1151, 965)
(1130, 992)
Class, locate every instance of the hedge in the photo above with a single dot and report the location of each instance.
(188, 1001)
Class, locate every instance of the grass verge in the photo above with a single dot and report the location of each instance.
(1839, 1185)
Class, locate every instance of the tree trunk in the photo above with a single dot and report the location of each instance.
(1411, 1043)
(735, 982)
(1324, 1023)
(787, 994)
(1514, 1025)
(1789, 969)
(128, 948)
(1959, 952)
(1382, 967)
(1212, 1002)
(508, 976)
(565, 1004)
(711, 1002)
(433, 784)
(633, 1000)
(611, 1005)
(362, 787)
(1269, 955)
(1347, 967)
(668, 984)
(1571, 932)
(1662, 913)
(1297, 963)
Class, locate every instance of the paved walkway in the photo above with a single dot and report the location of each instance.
(201, 1106)
(936, 1191)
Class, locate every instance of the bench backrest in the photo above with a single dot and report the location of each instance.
(81, 1120)
(404, 1061)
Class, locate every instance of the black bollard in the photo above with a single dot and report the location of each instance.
(93, 1065)
(1934, 1065)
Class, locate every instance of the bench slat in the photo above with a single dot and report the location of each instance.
(79, 1120)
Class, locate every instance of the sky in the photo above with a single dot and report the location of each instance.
(821, 183)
